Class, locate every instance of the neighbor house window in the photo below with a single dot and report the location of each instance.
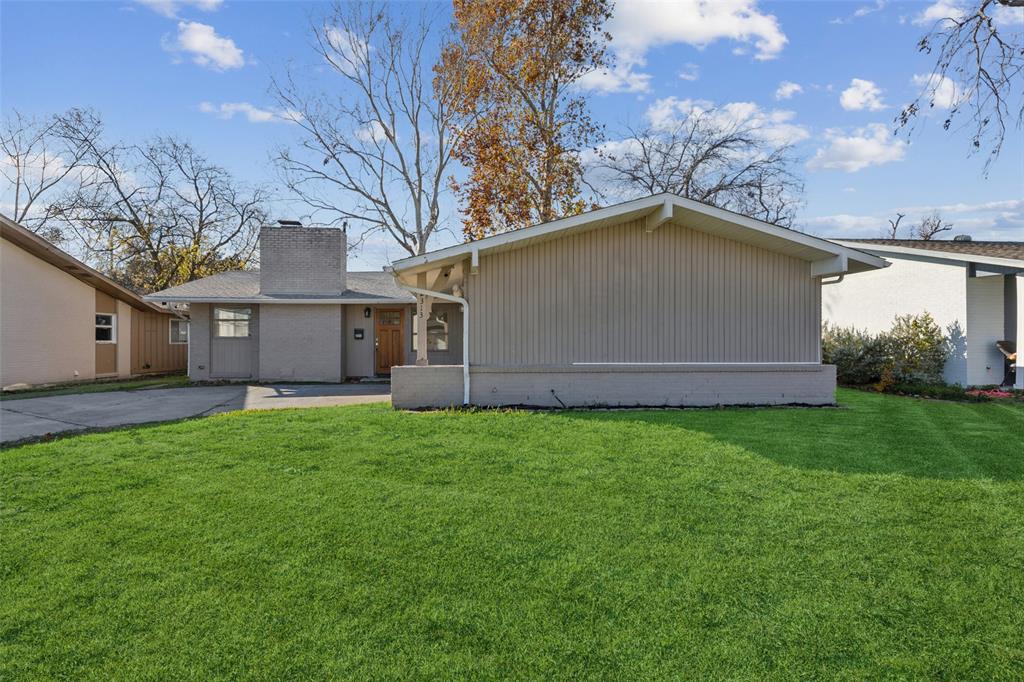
(179, 331)
(231, 323)
(437, 332)
(106, 328)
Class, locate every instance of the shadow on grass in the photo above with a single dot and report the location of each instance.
(874, 434)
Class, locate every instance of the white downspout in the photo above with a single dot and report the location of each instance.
(465, 328)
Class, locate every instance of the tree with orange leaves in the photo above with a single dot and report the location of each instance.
(522, 123)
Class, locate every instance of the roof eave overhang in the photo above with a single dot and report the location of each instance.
(660, 206)
(38, 247)
(248, 300)
(936, 255)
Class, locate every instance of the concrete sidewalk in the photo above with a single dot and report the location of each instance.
(37, 417)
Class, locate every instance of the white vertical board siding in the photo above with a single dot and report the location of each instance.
(620, 294)
(985, 364)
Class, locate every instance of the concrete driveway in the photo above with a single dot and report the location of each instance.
(37, 417)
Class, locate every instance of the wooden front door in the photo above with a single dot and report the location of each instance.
(390, 331)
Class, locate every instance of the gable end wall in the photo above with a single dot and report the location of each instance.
(623, 295)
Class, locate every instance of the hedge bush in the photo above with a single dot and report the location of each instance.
(859, 357)
(913, 351)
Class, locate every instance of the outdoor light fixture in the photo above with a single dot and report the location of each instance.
(366, 312)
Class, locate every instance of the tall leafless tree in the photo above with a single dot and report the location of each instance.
(158, 214)
(376, 151)
(894, 226)
(931, 226)
(36, 161)
(979, 62)
(706, 158)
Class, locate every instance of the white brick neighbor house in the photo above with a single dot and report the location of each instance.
(973, 289)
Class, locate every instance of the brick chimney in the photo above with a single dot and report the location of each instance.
(302, 260)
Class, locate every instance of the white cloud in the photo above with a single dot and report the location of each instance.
(206, 47)
(787, 89)
(862, 11)
(252, 113)
(622, 78)
(1008, 16)
(638, 26)
(348, 48)
(942, 90)
(862, 94)
(845, 225)
(871, 145)
(371, 132)
(170, 8)
(775, 125)
(997, 220)
(941, 10)
(689, 72)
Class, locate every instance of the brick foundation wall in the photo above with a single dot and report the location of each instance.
(618, 386)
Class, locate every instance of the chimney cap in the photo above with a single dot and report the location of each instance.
(962, 238)
(289, 223)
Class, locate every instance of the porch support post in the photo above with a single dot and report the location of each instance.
(1019, 364)
(423, 305)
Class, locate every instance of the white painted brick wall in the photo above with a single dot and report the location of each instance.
(682, 386)
(302, 260)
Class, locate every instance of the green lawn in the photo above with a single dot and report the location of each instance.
(882, 540)
(165, 381)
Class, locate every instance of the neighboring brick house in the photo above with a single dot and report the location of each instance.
(61, 320)
(304, 317)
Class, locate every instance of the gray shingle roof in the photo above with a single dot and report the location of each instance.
(246, 285)
(1014, 250)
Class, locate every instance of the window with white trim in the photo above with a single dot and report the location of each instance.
(437, 332)
(179, 331)
(106, 328)
(231, 323)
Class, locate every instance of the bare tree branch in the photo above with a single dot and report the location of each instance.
(977, 71)
(702, 157)
(377, 154)
(931, 226)
(158, 214)
(35, 161)
(894, 226)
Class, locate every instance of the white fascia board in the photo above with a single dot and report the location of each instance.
(661, 215)
(289, 301)
(836, 265)
(663, 202)
(937, 255)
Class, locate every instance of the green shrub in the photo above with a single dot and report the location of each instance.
(858, 356)
(916, 349)
(912, 352)
(938, 391)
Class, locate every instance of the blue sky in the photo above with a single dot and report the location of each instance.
(201, 69)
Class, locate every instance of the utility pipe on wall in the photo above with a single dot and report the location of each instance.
(465, 328)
